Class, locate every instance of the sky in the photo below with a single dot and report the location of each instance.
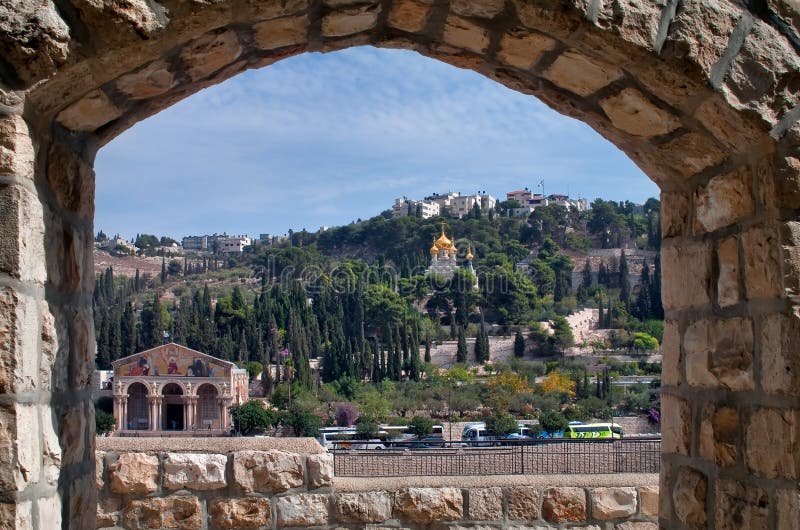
(325, 139)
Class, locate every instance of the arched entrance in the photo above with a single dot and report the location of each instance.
(703, 96)
(138, 411)
(208, 408)
(173, 408)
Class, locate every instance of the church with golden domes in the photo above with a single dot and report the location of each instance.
(443, 258)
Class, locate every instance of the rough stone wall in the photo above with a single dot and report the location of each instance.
(277, 489)
(702, 95)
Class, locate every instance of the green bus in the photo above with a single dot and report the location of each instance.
(594, 430)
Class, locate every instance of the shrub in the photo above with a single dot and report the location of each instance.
(346, 415)
(552, 422)
(502, 423)
(250, 416)
(421, 426)
(303, 422)
(103, 421)
(366, 429)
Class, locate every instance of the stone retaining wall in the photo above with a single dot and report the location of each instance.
(279, 489)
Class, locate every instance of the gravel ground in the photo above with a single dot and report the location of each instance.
(395, 483)
(208, 445)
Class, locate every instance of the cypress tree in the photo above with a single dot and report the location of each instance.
(428, 350)
(461, 350)
(601, 323)
(519, 344)
(624, 285)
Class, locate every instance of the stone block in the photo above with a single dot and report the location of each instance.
(320, 470)
(728, 266)
(719, 435)
(89, 113)
(671, 374)
(249, 512)
(762, 263)
(720, 352)
(523, 503)
(210, 53)
(738, 506)
(267, 471)
(48, 512)
(780, 364)
(689, 491)
(71, 180)
(22, 233)
(363, 507)
(522, 49)
(18, 340)
(182, 512)
(674, 214)
(773, 443)
(428, 505)
(149, 81)
(108, 512)
(133, 473)
(557, 22)
(725, 200)
(409, 15)
(630, 111)
(99, 470)
(350, 20)
(787, 506)
(698, 152)
(788, 182)
(686, 274)
(580, 74)
(35, 40)
(28, 448)
(477, 8)
(636, 525)
(675, 420)
(564, 505)
(613, 503)
(486, 504)
(280, 32)
(462, 33)
(302, 510)
(648, 500)
(17, 154)
(82, 502)
(194, 471)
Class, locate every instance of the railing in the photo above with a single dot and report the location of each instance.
(545, 457)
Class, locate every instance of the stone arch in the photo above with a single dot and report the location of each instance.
(208, 408)
(138, 413)
(702, 96)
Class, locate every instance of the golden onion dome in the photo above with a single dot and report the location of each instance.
(434, 249)
(443, 242)
(453, 250)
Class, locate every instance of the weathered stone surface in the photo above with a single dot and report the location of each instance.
(22, 244)
(194, 471)
(557, 22)
(738, 506)
(522, 49)
(689, 490)
(631, 112)
(686, 274)
(674, 214)
(762, 267)
(773, 443)
(613, 503)
(523, 503)
(675, 417)
(728, 266)
(320, 470)
(18, 320)
(787, 506)
(363, 507)
(90, 113)
(427, 505)
(698, 152)
(648, 500)
(780, 365)
(720, 352)
(636, 525)
(302, 510)
(99, 470)
(564, 505)
(72, 425)
(409, 15)
(210, 53)
(486, 504)
(47, 511)
(719, 435)
(249, 512)
(71, 180)
(724, 200)
(351, 20)
(671, 373)
(267, 471)
(733, 129)
(287, 31)
(464, 34)
(34, 39)
(580, 74)
(16, 147)
(180, 512)
(133, 473)
(82, 505)
(477, 8)
(152, 80)
(118, 23)
(107, 512)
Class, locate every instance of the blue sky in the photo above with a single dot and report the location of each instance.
(324, 139)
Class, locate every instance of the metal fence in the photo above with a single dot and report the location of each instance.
(548, 457)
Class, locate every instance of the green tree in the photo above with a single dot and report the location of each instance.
(104, 422)
(519, 344)
(552, 422)
(251, 415)
(461, 349)
(502, 423)
(420, 426)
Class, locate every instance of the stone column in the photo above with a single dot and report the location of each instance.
(118, 412)
(125, 412)
(151, 412)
